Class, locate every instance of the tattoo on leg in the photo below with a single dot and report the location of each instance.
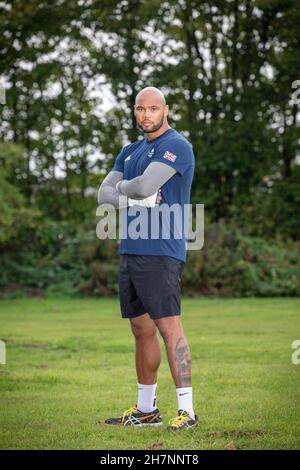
(183, 360)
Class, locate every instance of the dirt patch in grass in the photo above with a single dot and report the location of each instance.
(231, 446)
(156, 446)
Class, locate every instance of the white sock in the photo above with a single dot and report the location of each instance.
(185, 400)
(146, 397)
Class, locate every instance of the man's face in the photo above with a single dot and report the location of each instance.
(150, 114)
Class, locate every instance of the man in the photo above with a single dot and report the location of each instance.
(158, 168)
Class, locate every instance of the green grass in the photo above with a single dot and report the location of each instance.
(70, 364)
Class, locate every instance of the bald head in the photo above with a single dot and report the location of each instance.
(151, 111)
(151, 93)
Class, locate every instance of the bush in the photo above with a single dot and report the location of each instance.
(58, 258)
(232, 264)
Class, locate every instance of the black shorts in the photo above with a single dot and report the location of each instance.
(150, 284)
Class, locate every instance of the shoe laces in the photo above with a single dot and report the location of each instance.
(179, 419)
(129, 412)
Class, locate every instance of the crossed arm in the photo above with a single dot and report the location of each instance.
(141, 187)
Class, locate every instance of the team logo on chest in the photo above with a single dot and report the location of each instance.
(151, 153)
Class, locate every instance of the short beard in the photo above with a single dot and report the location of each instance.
(153, 129)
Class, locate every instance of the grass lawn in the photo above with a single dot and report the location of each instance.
(70, 364)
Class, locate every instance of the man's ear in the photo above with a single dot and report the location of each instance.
(166, 110)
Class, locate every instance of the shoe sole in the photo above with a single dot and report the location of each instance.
(183, 427)
(155, 425)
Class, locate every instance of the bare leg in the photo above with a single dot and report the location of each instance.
(147, 352)
(178, 352)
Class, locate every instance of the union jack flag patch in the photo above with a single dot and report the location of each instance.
(170, 156)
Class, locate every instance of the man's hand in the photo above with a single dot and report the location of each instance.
(150, 201)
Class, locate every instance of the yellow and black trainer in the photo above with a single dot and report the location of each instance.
(183, 420)
(134, 417)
